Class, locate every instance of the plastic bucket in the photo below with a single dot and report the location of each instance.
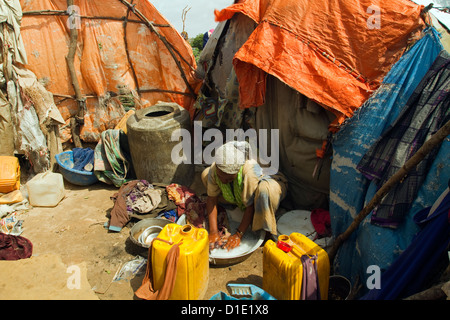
(339, 288)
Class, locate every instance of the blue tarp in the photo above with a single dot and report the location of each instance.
(411, 272)
(350, 190)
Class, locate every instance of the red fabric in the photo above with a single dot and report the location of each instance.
(194, 208)
(321, 221)
(14, 247)
(188, 203)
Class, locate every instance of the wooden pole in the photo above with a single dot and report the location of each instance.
(76, 120)
(166, 43)
(125, 40)
(64, 13)
(429, 145)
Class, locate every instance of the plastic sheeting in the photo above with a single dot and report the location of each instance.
(416, 266)
(334, 52)
(101, 60)
(11, 14)
(219, 99)
(349, 189)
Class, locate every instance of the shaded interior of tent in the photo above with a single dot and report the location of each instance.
(345, 85)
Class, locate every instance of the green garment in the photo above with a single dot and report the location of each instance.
(234, 195)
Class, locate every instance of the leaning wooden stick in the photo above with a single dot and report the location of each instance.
(169, 47)
(429, 145)
(65, 13)
(75, 120)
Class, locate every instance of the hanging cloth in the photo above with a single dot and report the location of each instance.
(110, 164)
(310, 282)
(425, 113)
(146, 291)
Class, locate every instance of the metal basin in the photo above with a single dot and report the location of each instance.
(143, 232)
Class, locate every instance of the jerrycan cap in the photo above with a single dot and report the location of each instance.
(283, 244)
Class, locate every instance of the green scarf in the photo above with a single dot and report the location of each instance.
(228, 194)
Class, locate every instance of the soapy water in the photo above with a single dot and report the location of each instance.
(249, 242)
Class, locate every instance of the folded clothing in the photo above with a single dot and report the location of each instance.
(83, 159)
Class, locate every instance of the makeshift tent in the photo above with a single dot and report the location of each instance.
(306, 67)
(311, 68)
(120, 46)
(329, 51)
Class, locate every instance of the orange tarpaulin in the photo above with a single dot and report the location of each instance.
(101, 61)
(335, 52)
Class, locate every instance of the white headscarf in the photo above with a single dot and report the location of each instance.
(231, 156)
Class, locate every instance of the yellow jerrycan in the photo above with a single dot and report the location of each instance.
(283, 266)
(9, 174)
(192, 276)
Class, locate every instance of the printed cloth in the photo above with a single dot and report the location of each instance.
(425, 113)
(110, 164)
(416, 267)
(194, 208)
(136, 199)
(143, 198)
(183, 197)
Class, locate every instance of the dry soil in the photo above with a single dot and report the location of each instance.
(73, 234)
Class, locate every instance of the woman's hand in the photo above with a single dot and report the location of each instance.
(233, 242)
(214, 240)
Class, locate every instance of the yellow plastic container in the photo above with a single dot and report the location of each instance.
(9, 174)
(122, 124)
(192, 275)
(283, 271)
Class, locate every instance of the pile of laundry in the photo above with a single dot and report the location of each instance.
(12, 245)
(141, 199)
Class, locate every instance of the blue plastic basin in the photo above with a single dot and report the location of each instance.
(77, 177)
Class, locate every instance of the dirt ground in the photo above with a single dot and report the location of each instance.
(74, 233)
